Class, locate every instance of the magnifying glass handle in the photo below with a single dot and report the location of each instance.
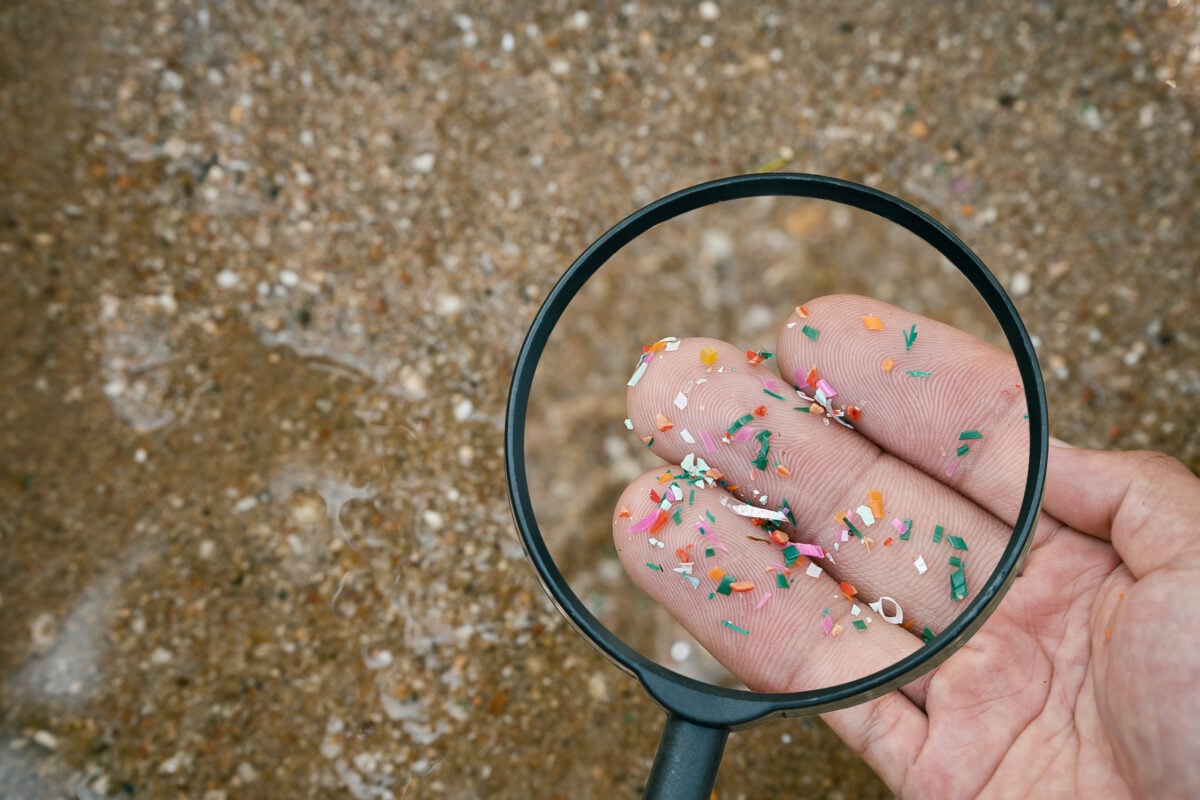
(686, 764)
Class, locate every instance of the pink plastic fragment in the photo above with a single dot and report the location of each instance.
(845, 536)
(950, 469)
(644, 523)
(824, 386)
(899, 525)
(744, 433)
(763, 601)
(709, 444)
(770, 384)
(827, 625)
(810, 550)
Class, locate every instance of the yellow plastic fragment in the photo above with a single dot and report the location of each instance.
(873, 323)
(875, 503)
(887, 365)
(708, 355)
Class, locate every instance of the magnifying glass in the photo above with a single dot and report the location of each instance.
(829, 507)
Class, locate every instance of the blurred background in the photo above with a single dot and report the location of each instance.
(266, 267)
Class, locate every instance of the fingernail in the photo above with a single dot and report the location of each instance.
(1060, 443)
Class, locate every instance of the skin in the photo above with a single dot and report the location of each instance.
(1083, 683)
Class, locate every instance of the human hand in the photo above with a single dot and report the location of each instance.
(1083, 682)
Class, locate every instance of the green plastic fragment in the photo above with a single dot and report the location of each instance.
(735, 628)
(726, 582)
(955, 561)
(918, 373)
(691, 497)
(811, 333)
(910, 336)
(963, 449)
(969, 435)
(781, 580)
(907, 530)
(739, 423)
(710, 516)
(958, 584)
(786, 508)
(860, 624)
(776, 396)
(957, 542)
(791, 554)
(937, 534)
(798, 408)
(654, 567)
(853, 529)
(650, 442)
(709, 552)
(677, 517)
(927, 634)
(763, 354)
(711, 595)
(760, 463)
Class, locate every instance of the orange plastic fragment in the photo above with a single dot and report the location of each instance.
(840, 518)
(708, 355)
(655, 497)
(1107, 634)
(812, 377)
(665, 477)
(875, 502)
(854, 413)
(624, 513)
(887, 365)
(779, 537)
(653, 348)
(753, 357)
(761, 411)
(873, 323)
(816, 408)
(782, 470)
(659, 521)
(742, 586)
(888, 541)
(663, 423)
(847, 589)
(716, 573)
(802, 312)
(682, 554)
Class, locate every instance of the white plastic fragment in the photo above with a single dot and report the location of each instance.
(686, 435)
(813, 570)
(681, 401)
(868, 518)
(745, 510)
(896, 618)
(920, 565)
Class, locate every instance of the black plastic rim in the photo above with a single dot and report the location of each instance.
(732, 708)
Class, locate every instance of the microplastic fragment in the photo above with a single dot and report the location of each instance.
(810, 550)
(910, 336)
(958, 584)
(858, 623)
(918, 373)
(735, 628)
(811, 333)
(824, 386)
(875, 501)
(810, 378)
(681, 401)
(782, 470)
(716, 573)
(638, 373)
(708, 355)
(776, 396)
(813, 571)
(672, 343)
(855, 610)
(847, 589)
(628, 424)
(927, 635)
(907, 530)
(686, 435)
(663, 423)
(709, 444)
(950, 469)
(709, 552)
(754, 512)
(654, 567)
(896, 618)
(645, 522)
(766, 596)
(872, 322)
(710, 516)
(887, 365)
(827, 624)
(921, 566)
(744, 434)
(957, 542)
(955, 561)
(938, 530)
(741, 586)
(868, 516)
(802, 312)
(737, 424)
(901, 527)
(764, 447)
(726, 585)
(791, 554)
(963, 449)
(677, 517)
(781, 580)
(970, 435)
(648, 441)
